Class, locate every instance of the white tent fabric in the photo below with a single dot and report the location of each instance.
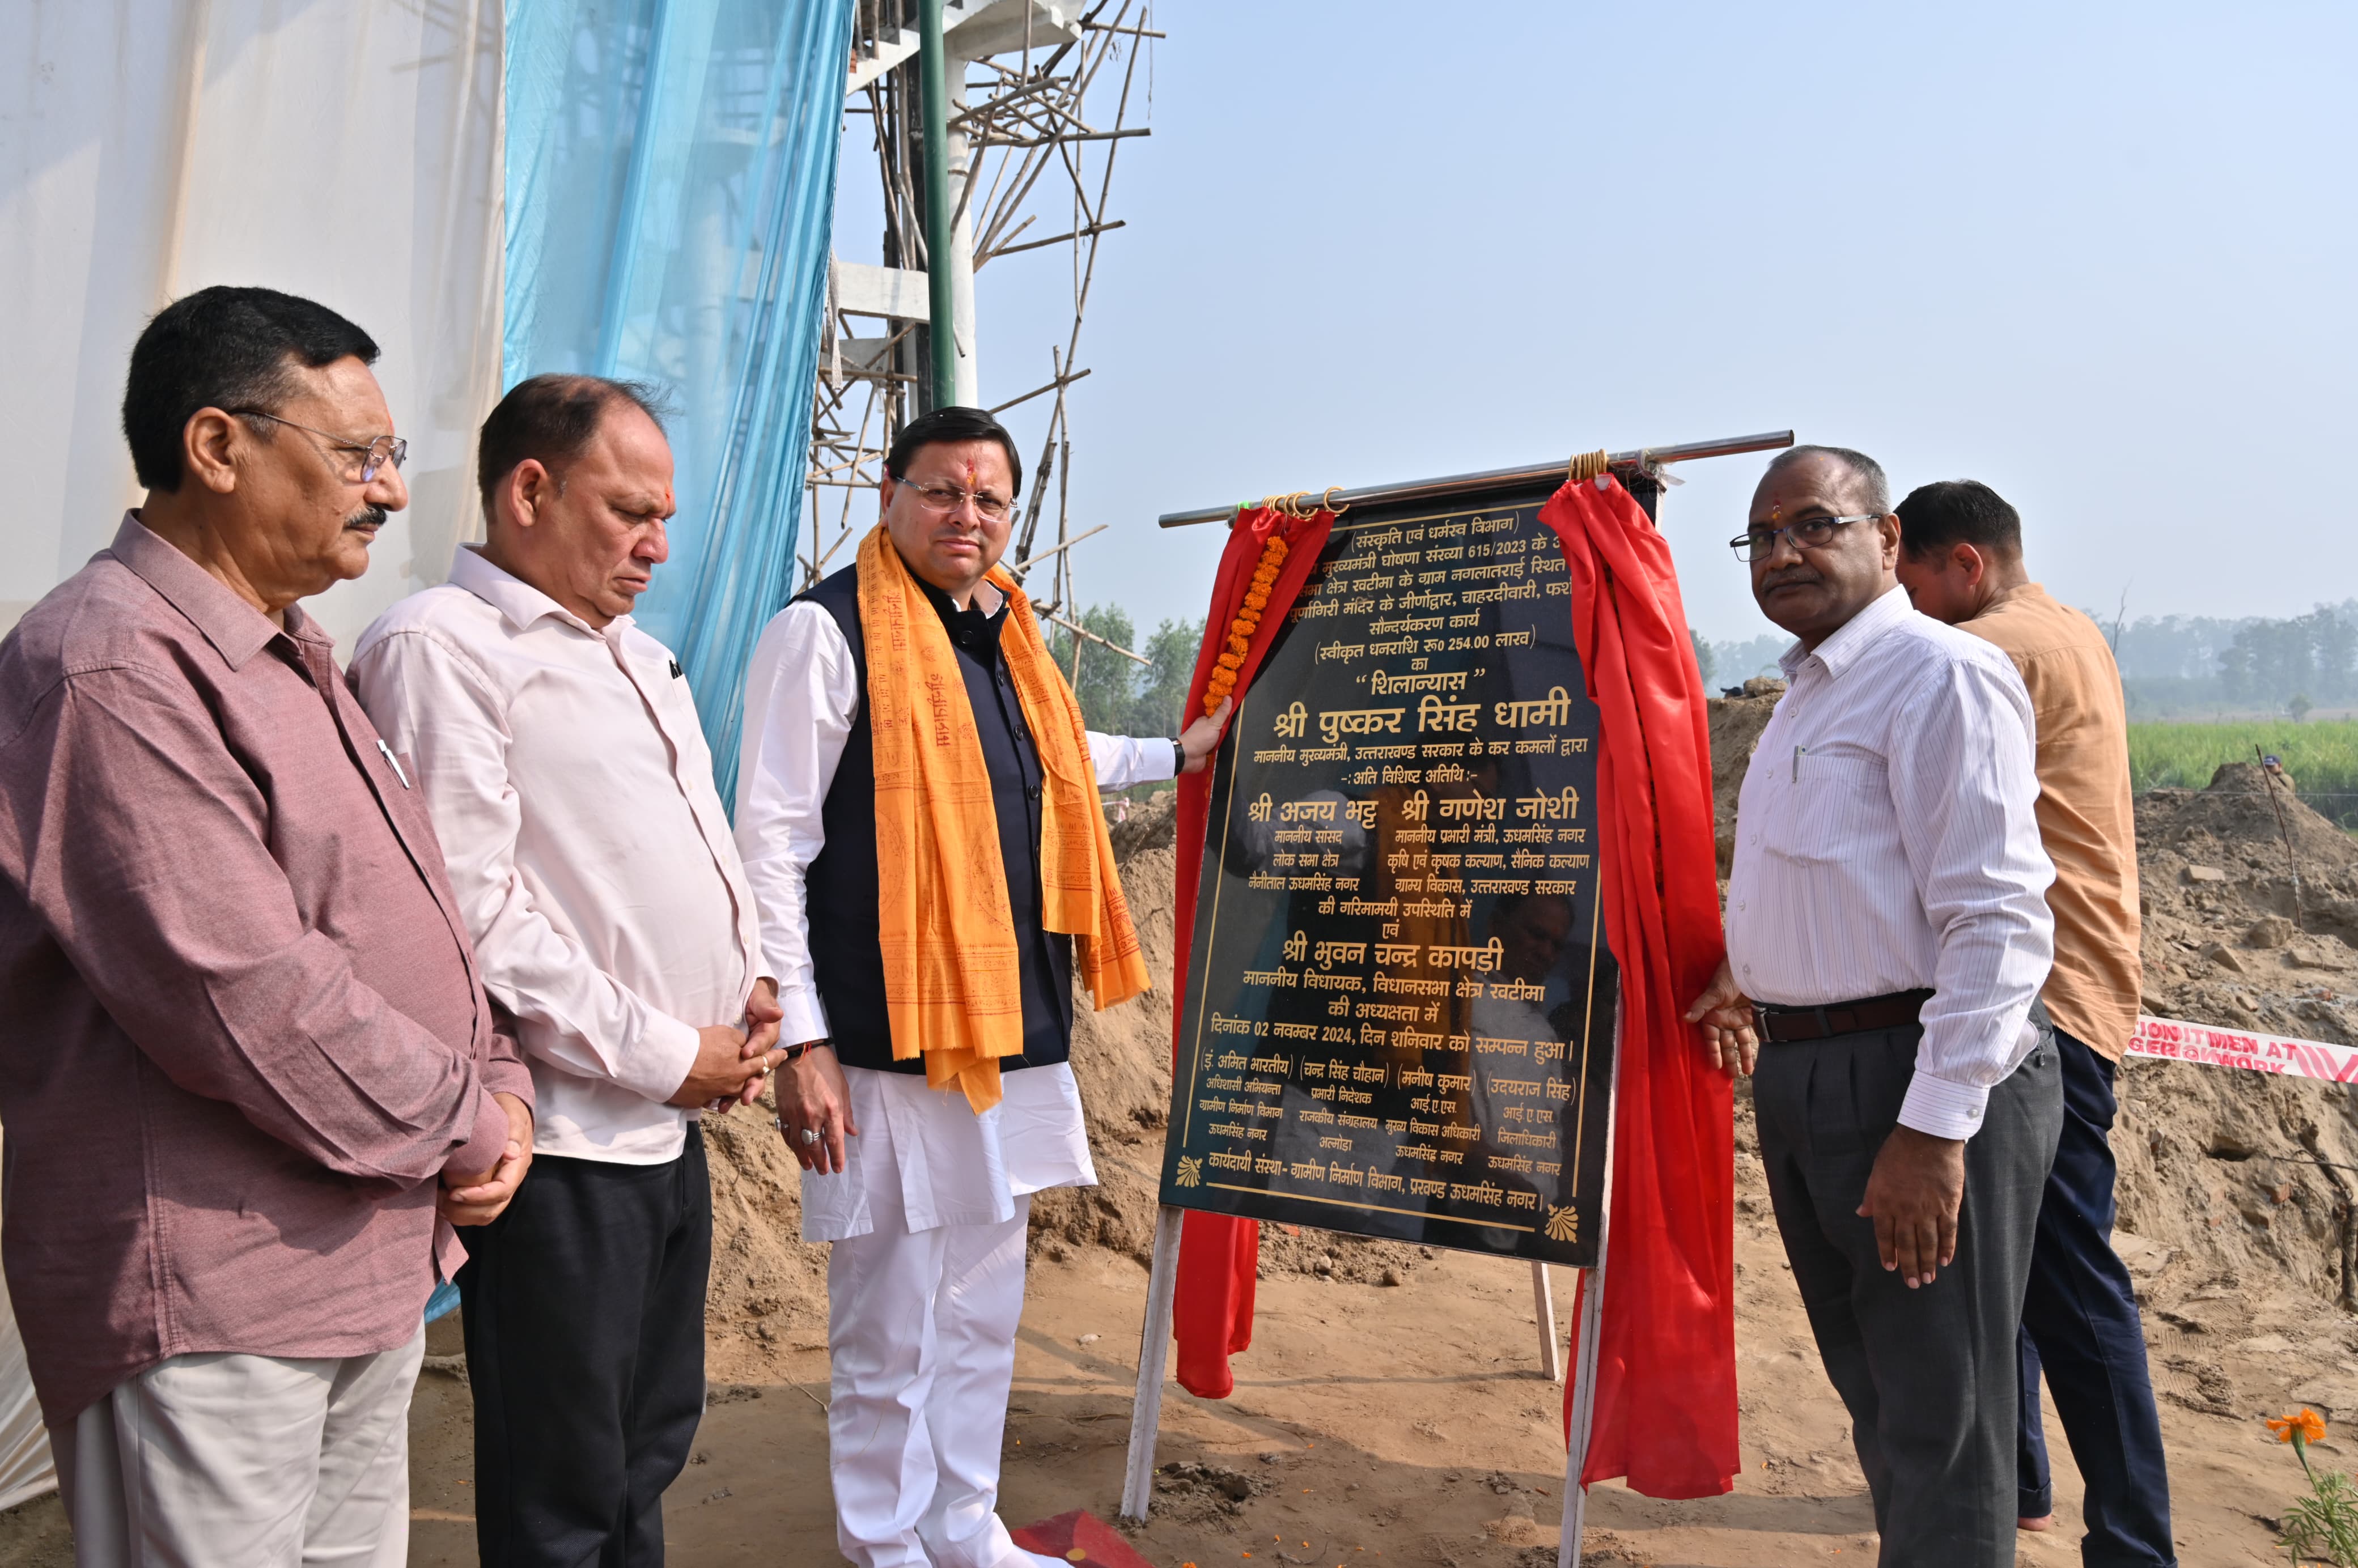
(347, 150)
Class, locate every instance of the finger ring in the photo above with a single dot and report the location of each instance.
(809, 1136)
(779, 1122)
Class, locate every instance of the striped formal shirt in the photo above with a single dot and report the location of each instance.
(1887, 840)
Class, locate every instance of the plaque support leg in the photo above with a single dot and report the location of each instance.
(1543, 1308)
(1588, 1333)
(1153, 1358)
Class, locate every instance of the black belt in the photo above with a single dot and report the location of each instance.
(1784, 1025)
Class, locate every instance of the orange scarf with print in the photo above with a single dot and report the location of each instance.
(953, 985)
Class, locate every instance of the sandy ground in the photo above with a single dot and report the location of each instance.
(1411, 1425)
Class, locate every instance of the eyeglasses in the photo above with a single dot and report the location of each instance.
(945, 499)
(375, 456)
(1808, 534)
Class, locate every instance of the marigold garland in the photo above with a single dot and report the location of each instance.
(1223, 683)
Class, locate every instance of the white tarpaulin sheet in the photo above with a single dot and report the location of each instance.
(347, 150)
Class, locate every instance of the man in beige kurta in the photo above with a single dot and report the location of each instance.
(1960, 560)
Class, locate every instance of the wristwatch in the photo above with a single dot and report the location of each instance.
(795, 1053)
(1178, 757)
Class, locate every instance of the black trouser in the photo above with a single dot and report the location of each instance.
(2080, 1320)
(584, 1315)
(1929, 1375)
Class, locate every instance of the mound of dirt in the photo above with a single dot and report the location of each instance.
(1736, 726)
(2226, 941)
(768, 1294)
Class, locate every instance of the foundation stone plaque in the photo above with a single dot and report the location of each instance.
(1398, 1019)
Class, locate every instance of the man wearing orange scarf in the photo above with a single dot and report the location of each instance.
(917, 810)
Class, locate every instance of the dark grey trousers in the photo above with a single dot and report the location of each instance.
(1928, 1376)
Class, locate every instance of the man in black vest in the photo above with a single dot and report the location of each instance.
(924, 1198)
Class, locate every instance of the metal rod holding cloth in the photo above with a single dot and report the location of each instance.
(1531, 475)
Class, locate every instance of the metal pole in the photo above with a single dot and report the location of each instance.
(1154, 1358)
(1589, 1332)
(1530, 474)
(1543, 1308)
(966, 382)
(933, 71)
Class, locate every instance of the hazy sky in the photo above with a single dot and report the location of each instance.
(2100, 257)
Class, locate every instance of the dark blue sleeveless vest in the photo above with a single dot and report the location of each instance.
(842, 884)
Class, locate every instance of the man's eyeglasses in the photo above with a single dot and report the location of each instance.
(1809, 533)
(944, 499)
(373, 455)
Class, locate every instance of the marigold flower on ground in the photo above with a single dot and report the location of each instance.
(2304, 1428)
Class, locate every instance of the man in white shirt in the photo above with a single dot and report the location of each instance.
(558, 750)
(924, 1199)
(1887, 920)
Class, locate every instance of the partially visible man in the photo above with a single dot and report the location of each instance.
(1886, 918)
(1960, 561)
(918, 809)
(558, 746)
(245, 1033)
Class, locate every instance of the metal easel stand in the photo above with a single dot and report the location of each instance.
(1590, 1332)
(1153, 1360)
(1543, 1309)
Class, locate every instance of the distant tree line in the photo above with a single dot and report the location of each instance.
(2173, 666)
(1733, 664)
(1120, 695)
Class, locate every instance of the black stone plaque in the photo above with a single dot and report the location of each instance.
(1397, 1015)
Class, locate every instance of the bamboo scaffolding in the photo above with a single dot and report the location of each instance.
(1028, 114)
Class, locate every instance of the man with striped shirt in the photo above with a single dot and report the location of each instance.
(1888, 935)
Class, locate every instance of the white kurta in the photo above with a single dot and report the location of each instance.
(947, 1165)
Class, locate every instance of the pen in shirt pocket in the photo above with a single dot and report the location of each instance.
(1799, 752)
(397, 770)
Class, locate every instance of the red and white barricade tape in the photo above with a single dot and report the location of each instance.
(2173, 1040)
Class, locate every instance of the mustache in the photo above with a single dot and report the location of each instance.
(367, 517)
(1789, 575)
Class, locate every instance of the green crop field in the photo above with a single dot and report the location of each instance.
(2321, 756)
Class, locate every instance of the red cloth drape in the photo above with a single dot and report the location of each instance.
(1219, 1255)
(1669, 1334)
(1666, 1368)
